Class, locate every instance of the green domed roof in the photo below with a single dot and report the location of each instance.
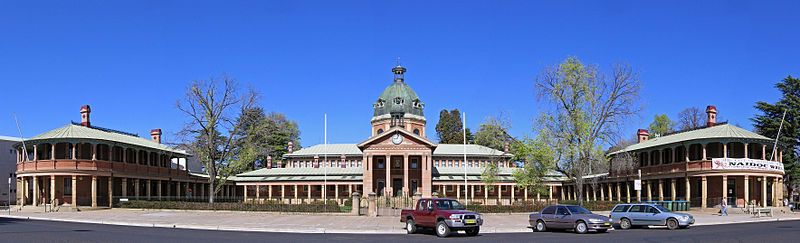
(398, 97)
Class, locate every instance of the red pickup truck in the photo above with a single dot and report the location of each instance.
(445, 215)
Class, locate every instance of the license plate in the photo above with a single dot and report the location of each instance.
(470, 221)
(607, 223)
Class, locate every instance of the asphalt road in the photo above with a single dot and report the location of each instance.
(14, 230)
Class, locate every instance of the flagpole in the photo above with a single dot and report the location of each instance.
(325, 159)
(24, 148)
(775, 146)
(464, 132)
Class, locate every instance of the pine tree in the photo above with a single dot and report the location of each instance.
(769, 121)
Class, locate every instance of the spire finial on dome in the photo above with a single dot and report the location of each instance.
(398, 71)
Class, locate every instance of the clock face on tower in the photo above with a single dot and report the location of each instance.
(397, 139)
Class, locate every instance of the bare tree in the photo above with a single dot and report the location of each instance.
(690, 118)
(213, 107)
(585, 110)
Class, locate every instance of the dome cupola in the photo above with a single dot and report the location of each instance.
(398, 105)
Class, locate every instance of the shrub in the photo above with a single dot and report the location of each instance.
(267, 206)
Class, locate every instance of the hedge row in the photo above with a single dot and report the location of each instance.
(268, 206)
(530, 206)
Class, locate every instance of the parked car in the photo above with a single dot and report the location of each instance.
(442, 214)
(568, 217)
(642, 214)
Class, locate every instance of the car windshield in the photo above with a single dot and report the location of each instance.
(449, 204)
(578, 210)
(661, 208)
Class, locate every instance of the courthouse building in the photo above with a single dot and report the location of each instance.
(397, 159)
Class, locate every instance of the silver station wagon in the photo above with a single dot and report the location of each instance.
(630, 215)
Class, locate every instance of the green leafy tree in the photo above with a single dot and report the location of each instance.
(450, 128)
(263, 135)
(583, 111)
(537, 159)
(493, 133)
(768, 122)
(661, 125)
(489, 176)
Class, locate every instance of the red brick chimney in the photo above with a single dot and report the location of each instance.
(711, 111)
(505, 147)
(643, 135)
(269, 162)
(290, 147)
(85, 111)
(156, 135)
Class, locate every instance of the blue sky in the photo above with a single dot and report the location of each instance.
(132, 60)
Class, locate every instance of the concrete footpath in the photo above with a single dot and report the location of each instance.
(312, 223)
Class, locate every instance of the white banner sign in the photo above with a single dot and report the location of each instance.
(745, 164)
(637, 185)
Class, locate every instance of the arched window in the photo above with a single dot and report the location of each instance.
(380, 130)
(416, 131)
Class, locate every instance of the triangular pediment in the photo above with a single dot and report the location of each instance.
(397, 137)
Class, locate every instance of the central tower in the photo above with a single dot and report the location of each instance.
(398, 106)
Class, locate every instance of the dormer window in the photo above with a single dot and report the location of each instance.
(398, 100)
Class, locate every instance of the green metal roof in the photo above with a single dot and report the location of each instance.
(398, 97)
(72, 131)
(718, 132)
(472, 150)
(474, 173)
(304, 171)
(330, 150)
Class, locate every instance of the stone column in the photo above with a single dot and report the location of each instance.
(594, 193)
(336, 191)
(745, 150)
(387, 185)
(472, 192)
(356, 204)
(550, 192)
(704, 196)
(672, 189)
(406, 190)
(724, 187)
(649, 191)
(763, 153)
(603, 194)
(458, 191)
(245, 193)
(309, 192)
(513, 190)
(688, 190)
(764, 191)
(525, 195)
(136, 188)
(746, 190)
(295, 192)
(619, 192)
(704, 152)
(725, 150)
(110, 191)
(158, 189)
(372, 206)
(124, 187)
(35, 153)
(74, 192)
(627, 192)
(485, 194)
(52, 189)
(94, 152)
(269, 191)
(94, 191)
(36, 191)
(148, 190)
(661, 189)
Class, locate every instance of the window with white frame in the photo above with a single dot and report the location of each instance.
(414, 163)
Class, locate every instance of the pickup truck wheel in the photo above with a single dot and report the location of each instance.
(672, 223)
(411, 228)
(442, 230)
(625, 223)
(473, 231)
(581, 227)
(540, 227)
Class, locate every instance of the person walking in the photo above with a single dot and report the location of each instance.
(723, 207)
